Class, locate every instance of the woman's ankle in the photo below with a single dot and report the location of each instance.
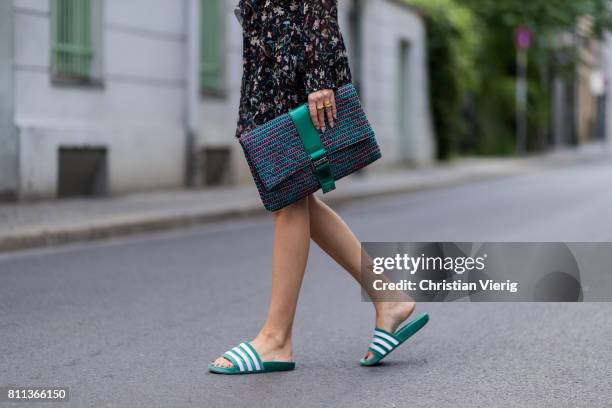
(275, 339)
(273, 346)
(381, 306)
(403, 307)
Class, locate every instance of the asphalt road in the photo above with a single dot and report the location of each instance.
(133, 322)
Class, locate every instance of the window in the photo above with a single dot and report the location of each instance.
(211, 67)
(83, 171)
(71, 48)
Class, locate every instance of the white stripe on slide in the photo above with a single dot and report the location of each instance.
(386, 337)
(235, 357)
(246, 359)
(375, 347)
(250, 353)
(383, 343)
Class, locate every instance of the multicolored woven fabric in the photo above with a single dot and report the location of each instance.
(281, 167)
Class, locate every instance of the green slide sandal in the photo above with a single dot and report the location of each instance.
(384, 342)
(246, 360)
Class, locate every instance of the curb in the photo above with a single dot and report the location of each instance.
(98, 231)
(179, 219)
(105, 230)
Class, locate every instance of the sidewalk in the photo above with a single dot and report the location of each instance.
(33, 224)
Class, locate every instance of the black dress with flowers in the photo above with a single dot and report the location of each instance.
(290, 49)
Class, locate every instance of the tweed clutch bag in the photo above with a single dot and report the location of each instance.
(289, 159)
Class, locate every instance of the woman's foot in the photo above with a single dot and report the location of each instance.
(269, 348)
(389, 316)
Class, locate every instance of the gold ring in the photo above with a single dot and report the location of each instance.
(328, 104)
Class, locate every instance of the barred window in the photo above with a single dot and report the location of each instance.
(71, 48)
(211, 58)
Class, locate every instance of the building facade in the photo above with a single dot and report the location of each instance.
(110, 96)
(580, 103)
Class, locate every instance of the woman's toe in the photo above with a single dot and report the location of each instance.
(223, 363)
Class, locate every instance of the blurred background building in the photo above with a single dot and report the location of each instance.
(579, 101)
(104, 97)
(97, 97)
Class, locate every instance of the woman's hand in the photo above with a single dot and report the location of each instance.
(320, 104)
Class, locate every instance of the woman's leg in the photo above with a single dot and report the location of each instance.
(289, 256)
(332, 234)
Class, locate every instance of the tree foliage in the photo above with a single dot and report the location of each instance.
(473, 65)
(451, 43)
(544, 16)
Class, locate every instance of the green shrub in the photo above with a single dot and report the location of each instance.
(450, 44)
(472, 68)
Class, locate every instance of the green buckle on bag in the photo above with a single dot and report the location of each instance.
(313, 146)
(322, 170)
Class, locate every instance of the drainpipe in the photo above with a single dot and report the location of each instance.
(192, 93)
(9, 143)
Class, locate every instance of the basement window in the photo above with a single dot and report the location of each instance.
(83, 171)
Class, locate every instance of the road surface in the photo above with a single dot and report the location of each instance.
(133, 322)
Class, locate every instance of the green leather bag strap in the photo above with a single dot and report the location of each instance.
(313, 146)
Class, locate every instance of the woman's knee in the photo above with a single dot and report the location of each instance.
(314, 202)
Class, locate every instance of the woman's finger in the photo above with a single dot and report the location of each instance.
(321, 111)
(333, 101)
(312, 109)
(329, 107)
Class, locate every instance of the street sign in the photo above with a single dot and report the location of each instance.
(523, 37)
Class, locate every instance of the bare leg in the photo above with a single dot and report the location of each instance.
(289, 257)
(332, 234)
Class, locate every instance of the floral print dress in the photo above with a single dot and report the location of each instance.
(290, 49)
